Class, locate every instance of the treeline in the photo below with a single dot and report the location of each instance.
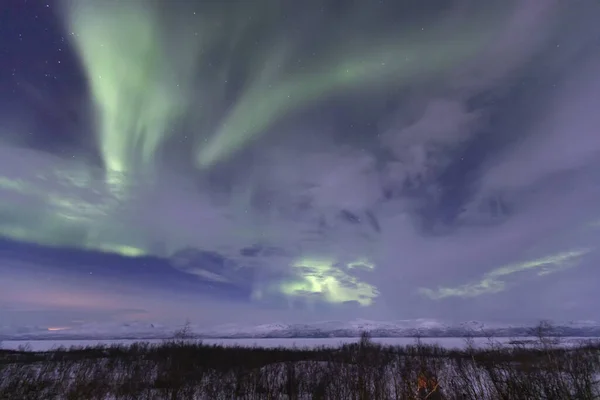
(183, 369)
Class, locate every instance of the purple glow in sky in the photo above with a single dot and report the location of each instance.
(298, 161)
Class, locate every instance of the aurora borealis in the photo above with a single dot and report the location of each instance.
(304, 160)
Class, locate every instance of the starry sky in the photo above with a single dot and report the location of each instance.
(271, 160)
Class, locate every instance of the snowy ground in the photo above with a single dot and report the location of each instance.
(378, 373)
(43, 345)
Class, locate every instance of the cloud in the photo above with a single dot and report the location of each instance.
(562, 139)
(493, 282)
(449, 195)
(423, 143)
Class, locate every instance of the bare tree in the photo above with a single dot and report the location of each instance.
(185, 332)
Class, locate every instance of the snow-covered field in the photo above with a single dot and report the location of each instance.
(181, 371)
(451, 342)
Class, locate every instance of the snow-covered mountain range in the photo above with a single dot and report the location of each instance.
(334, 329)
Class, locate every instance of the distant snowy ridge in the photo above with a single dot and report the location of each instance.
(402, 328)
(326, 329)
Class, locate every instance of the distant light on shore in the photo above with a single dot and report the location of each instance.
(59, 328)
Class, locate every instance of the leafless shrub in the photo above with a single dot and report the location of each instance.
(358, 371)
(185, 332)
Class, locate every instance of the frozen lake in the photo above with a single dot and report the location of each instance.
(42, 345)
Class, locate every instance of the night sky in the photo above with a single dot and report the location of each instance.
(288, 161)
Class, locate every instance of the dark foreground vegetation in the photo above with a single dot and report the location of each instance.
(183, 369)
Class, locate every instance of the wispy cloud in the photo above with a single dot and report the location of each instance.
(482, 171)
(495, 281)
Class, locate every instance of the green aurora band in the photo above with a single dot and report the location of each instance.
(138, 76)
(149, 69)
(141, 67)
